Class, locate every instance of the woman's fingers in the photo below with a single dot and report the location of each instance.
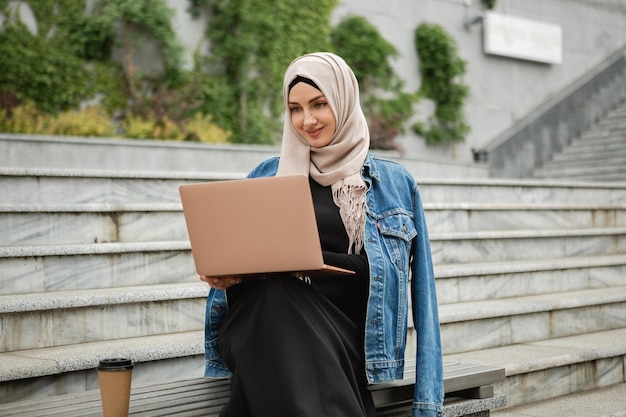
(220, 283)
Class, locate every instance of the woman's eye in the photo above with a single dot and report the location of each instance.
(320, 104)
(295, 109)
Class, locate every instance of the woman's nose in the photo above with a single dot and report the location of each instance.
(309, 119)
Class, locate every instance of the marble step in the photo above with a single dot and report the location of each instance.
(486, 217)
(618, 112)
(23, 225)
(594, 147)
(43, 372)
(66, 187)
(564, 157)
(572, 169)
(595, 178)
(28, 269)
(613, 124)
(601, 173)
(494, 323)
(551, 368)
(70, 187)
(461, 283)
(35, 269)
(600, 134)
(505, 191)
(42, 320)
(514, 245)
(39, 151)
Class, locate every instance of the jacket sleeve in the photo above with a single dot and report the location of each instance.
(428, 394)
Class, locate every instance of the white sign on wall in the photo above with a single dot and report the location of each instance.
(522, 38)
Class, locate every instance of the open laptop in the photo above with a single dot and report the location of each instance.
(254, 226)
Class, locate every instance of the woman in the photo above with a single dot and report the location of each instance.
(310, 346)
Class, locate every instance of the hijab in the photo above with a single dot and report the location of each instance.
(339, 163)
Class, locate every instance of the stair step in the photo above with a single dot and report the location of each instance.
(591, 147)
(491, 323)
(529, 191)
(510, 245)
(609, 167)
(66, 186)
(458, 283)
(69, 317)
(612, 159)
(597, 157)
(73, 267)
(605, 401)
(547, 369)
(34, 269)
(600, 135)
(489, 217)
(22, 225)
(617, 174)
(39, 373)
(71, 187)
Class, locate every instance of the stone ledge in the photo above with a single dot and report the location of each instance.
(92, 249)
(61, 359)
(16, 303)
(558, 352)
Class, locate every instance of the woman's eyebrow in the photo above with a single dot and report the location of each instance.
(310, 101)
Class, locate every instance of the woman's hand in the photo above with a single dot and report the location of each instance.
(221, 283)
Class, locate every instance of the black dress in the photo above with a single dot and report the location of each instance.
(296, 349)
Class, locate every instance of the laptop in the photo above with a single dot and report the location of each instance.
(254, 226)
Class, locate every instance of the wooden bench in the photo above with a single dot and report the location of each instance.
(468, 388)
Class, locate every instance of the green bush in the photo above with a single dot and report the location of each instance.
(386, 106)
(92, 121)
(441, 71)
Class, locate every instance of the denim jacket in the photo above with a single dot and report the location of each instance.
(397, 245)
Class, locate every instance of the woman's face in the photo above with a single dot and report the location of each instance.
(311, 115)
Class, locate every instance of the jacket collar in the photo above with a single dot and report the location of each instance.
(369, 170)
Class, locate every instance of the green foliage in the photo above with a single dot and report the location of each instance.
(234, 94)
(26, 118)
(252, 42)
(95, 121)
(489, 4)
(441, 69)
(41, 66)
(368, 54)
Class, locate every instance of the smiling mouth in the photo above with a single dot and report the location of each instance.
(313, 133)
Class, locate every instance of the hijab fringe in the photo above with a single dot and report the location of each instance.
(350, 198)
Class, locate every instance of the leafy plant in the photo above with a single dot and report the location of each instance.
(252, 42)
(441, 69)
(27, 118)
(41, 66)
(489, 4)
(385, 105)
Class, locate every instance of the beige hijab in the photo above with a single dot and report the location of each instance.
(339, 163)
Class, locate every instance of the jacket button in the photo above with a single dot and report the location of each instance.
(218, 308)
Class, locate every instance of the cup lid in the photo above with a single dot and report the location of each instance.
(115, 364)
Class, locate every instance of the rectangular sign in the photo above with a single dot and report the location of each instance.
(522, 38)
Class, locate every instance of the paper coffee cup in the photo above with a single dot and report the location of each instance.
(114, 376)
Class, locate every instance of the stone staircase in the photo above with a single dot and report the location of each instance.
(531, 276)
(599, 154)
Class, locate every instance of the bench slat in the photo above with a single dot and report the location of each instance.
(205, 397)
